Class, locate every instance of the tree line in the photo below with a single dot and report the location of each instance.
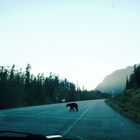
(134, 80)
(21, 88)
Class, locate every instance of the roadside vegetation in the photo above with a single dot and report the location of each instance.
(21, 88)
(128, 102)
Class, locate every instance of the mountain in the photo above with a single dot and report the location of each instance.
(115, 82)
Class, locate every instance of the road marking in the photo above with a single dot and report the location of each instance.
(77, 120)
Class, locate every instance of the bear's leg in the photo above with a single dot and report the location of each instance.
(72, 108)
(76, 107)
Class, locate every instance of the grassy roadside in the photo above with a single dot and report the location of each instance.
(127, 103)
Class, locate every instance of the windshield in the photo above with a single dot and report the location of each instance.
(70, 68)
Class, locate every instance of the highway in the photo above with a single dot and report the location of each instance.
(95, 120)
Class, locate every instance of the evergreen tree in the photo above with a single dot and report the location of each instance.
(134, 80)
(19, 88)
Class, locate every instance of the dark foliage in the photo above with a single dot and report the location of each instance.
(134, 80)
(21, 88)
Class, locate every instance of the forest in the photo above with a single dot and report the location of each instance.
(128, 102)
(21, 88)
(133, 82)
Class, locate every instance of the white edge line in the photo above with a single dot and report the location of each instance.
(76, 121)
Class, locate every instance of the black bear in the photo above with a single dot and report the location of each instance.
(73, 106)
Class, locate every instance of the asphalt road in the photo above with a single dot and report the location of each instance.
(95, 120)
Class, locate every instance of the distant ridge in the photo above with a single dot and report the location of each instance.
(115, 82)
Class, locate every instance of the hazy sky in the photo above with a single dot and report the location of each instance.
(81, 40)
